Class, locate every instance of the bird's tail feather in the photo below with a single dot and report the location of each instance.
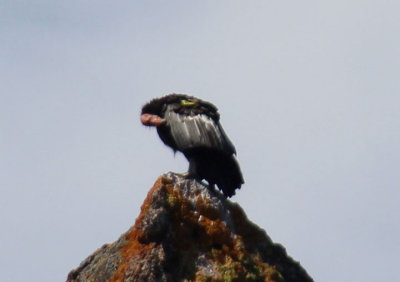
(217, 168)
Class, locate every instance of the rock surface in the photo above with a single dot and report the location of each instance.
(187, 232)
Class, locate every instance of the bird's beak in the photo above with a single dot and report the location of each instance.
(151, 120)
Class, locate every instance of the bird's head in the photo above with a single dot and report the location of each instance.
(154, 111)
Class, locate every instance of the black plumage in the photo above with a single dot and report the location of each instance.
(191, 126)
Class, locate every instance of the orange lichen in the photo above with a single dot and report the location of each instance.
(199, 223)
(201, 226)
(133, 246)
(186, 233)
(206, 209)
(197, 228)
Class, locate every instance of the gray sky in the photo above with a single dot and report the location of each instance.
(308, 92)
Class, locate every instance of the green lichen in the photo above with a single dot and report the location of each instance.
(275, 275)
(172, 200)
(242, 268)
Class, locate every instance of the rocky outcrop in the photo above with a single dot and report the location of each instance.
(187, 232)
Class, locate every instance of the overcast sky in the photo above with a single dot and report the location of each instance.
(308, 92)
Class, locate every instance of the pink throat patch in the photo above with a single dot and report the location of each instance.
(151, 120)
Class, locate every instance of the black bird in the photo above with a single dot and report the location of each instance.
(191, 126)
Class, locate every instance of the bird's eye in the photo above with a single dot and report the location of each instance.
(188, 103)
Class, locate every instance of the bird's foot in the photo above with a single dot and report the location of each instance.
(214, 191)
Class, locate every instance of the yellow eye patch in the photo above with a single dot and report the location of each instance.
(188, 103)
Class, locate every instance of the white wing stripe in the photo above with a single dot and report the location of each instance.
(197, 131)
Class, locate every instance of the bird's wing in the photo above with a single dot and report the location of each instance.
(190, 132)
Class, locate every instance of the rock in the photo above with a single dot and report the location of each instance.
(187, 232)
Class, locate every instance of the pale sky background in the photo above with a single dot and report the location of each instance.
(308, 92)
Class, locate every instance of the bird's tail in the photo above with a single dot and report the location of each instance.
(217, 167)
(229, 177)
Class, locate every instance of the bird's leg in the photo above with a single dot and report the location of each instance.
(213, 189)
(190, 173)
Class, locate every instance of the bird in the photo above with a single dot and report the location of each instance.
(191, 126)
